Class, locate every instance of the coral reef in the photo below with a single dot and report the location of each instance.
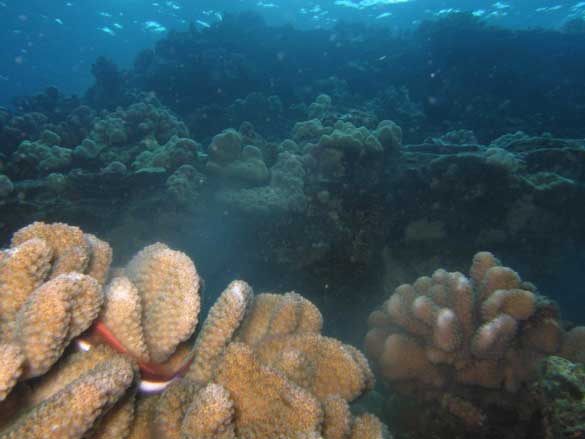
(462, 340)
(257, 368)
(41, 157)
(170, 156)
(234, 163)
(284, 194)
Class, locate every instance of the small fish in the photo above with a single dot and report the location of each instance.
(173, 5)
(266, 5)
(500, 5)
(58, 21)
(3, 78)
(548, 8)
(203, 23)
(118, 26)
(154, 26)
(107, 30)
(105, 14)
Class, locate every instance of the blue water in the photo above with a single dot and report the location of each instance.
(55, 42)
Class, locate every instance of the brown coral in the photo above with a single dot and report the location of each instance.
(169, 286)
(46, 298)
(72, 411)
(367, 426)
(210, 416)
(12, 360)
(320, 364)
(71, 250)
(274, 314)
(279, 380)
(448, 331)
(268, 404)
(221, 323)
(259, 390)
(52, 316)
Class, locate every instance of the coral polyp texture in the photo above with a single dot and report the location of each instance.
(45, 297)
(258, 367)
(455, 339)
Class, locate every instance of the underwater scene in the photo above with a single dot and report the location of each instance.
(292, 219)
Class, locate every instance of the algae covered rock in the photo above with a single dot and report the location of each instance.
(6, 186)
(561, 389)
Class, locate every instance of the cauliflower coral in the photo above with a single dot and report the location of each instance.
(448, 336)
(87, 351)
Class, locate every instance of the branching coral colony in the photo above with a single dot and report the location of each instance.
(468, 342)
(258, 368)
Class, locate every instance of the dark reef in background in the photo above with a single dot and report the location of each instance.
(460, 71)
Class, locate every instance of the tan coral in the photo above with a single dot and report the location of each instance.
(374, 341)
(473, 417)
(233, 389)
(368, 426)
(143, 416)
(450, 320)
(122, 312)
(86, 301)
(574, 345)
(117, 423)
(11, 366)
(267, 404)
(273, 314)
(71, 250)
(170, 410)
(73, 410)
(329, 368)
(169, 287)
(210, 415)
(42, 325)
(257, 322)
(68, 370)
(100, 258)
(222, 321)
(403, 358)
(481, 263)
(53, 314)
(449, 331)
(517, 303)
(22, 270)
(336, 418)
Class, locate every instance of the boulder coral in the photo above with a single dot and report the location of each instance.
(170, 156)
(114, 352)
(41, 156)
(234, 163)
(449, 337)
(284, 194)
